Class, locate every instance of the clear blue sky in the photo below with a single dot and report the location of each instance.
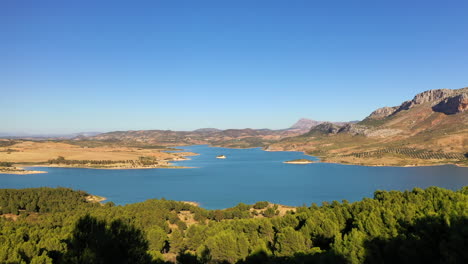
(70, 66)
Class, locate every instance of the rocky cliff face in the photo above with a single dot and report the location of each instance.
(434, 97)
(452, 105)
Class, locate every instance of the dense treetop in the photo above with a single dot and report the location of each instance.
(46, 225)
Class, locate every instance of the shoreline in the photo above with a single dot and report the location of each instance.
(395, 166)
(299, 161)
(21, 171)
(321, 160)
(108, 168)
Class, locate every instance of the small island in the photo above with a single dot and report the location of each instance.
(299, 161)
(220, 157)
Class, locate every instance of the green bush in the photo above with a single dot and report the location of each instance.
(260, 205)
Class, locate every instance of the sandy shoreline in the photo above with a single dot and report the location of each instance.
(110, 168)
(298, 162)
(21, 172)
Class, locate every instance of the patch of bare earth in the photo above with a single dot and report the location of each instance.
(187, 217)
(282, 209)
(95, 199)
(12, 217)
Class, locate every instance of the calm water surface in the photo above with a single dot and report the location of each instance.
(247, 175)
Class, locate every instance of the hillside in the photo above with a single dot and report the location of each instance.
(235, 138)
(432, 128)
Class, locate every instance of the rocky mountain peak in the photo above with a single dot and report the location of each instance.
(432, 95)
(305, 124)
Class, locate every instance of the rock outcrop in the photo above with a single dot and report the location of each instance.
(434, 97)
(326, 128)
(431, 96)
(383, 112)
(452, 105)
(354, 129)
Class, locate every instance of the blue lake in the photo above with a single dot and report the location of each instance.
(247, 175)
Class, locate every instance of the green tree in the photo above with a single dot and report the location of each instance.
(260, 205)
(225, 246)
(95, 242)
(289, 241)
(157, 239)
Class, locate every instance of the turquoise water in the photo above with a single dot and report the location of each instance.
(247, 175)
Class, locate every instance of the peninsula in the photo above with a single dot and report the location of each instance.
(82, 154)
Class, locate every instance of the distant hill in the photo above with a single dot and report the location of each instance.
(431, 128)
(304, 124)
(207, 130)
(47, 135)
(238, 138)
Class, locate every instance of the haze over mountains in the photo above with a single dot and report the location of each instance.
(48, 135)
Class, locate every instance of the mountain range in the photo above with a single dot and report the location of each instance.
(431, 128)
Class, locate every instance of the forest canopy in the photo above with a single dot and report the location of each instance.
(59, 225)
